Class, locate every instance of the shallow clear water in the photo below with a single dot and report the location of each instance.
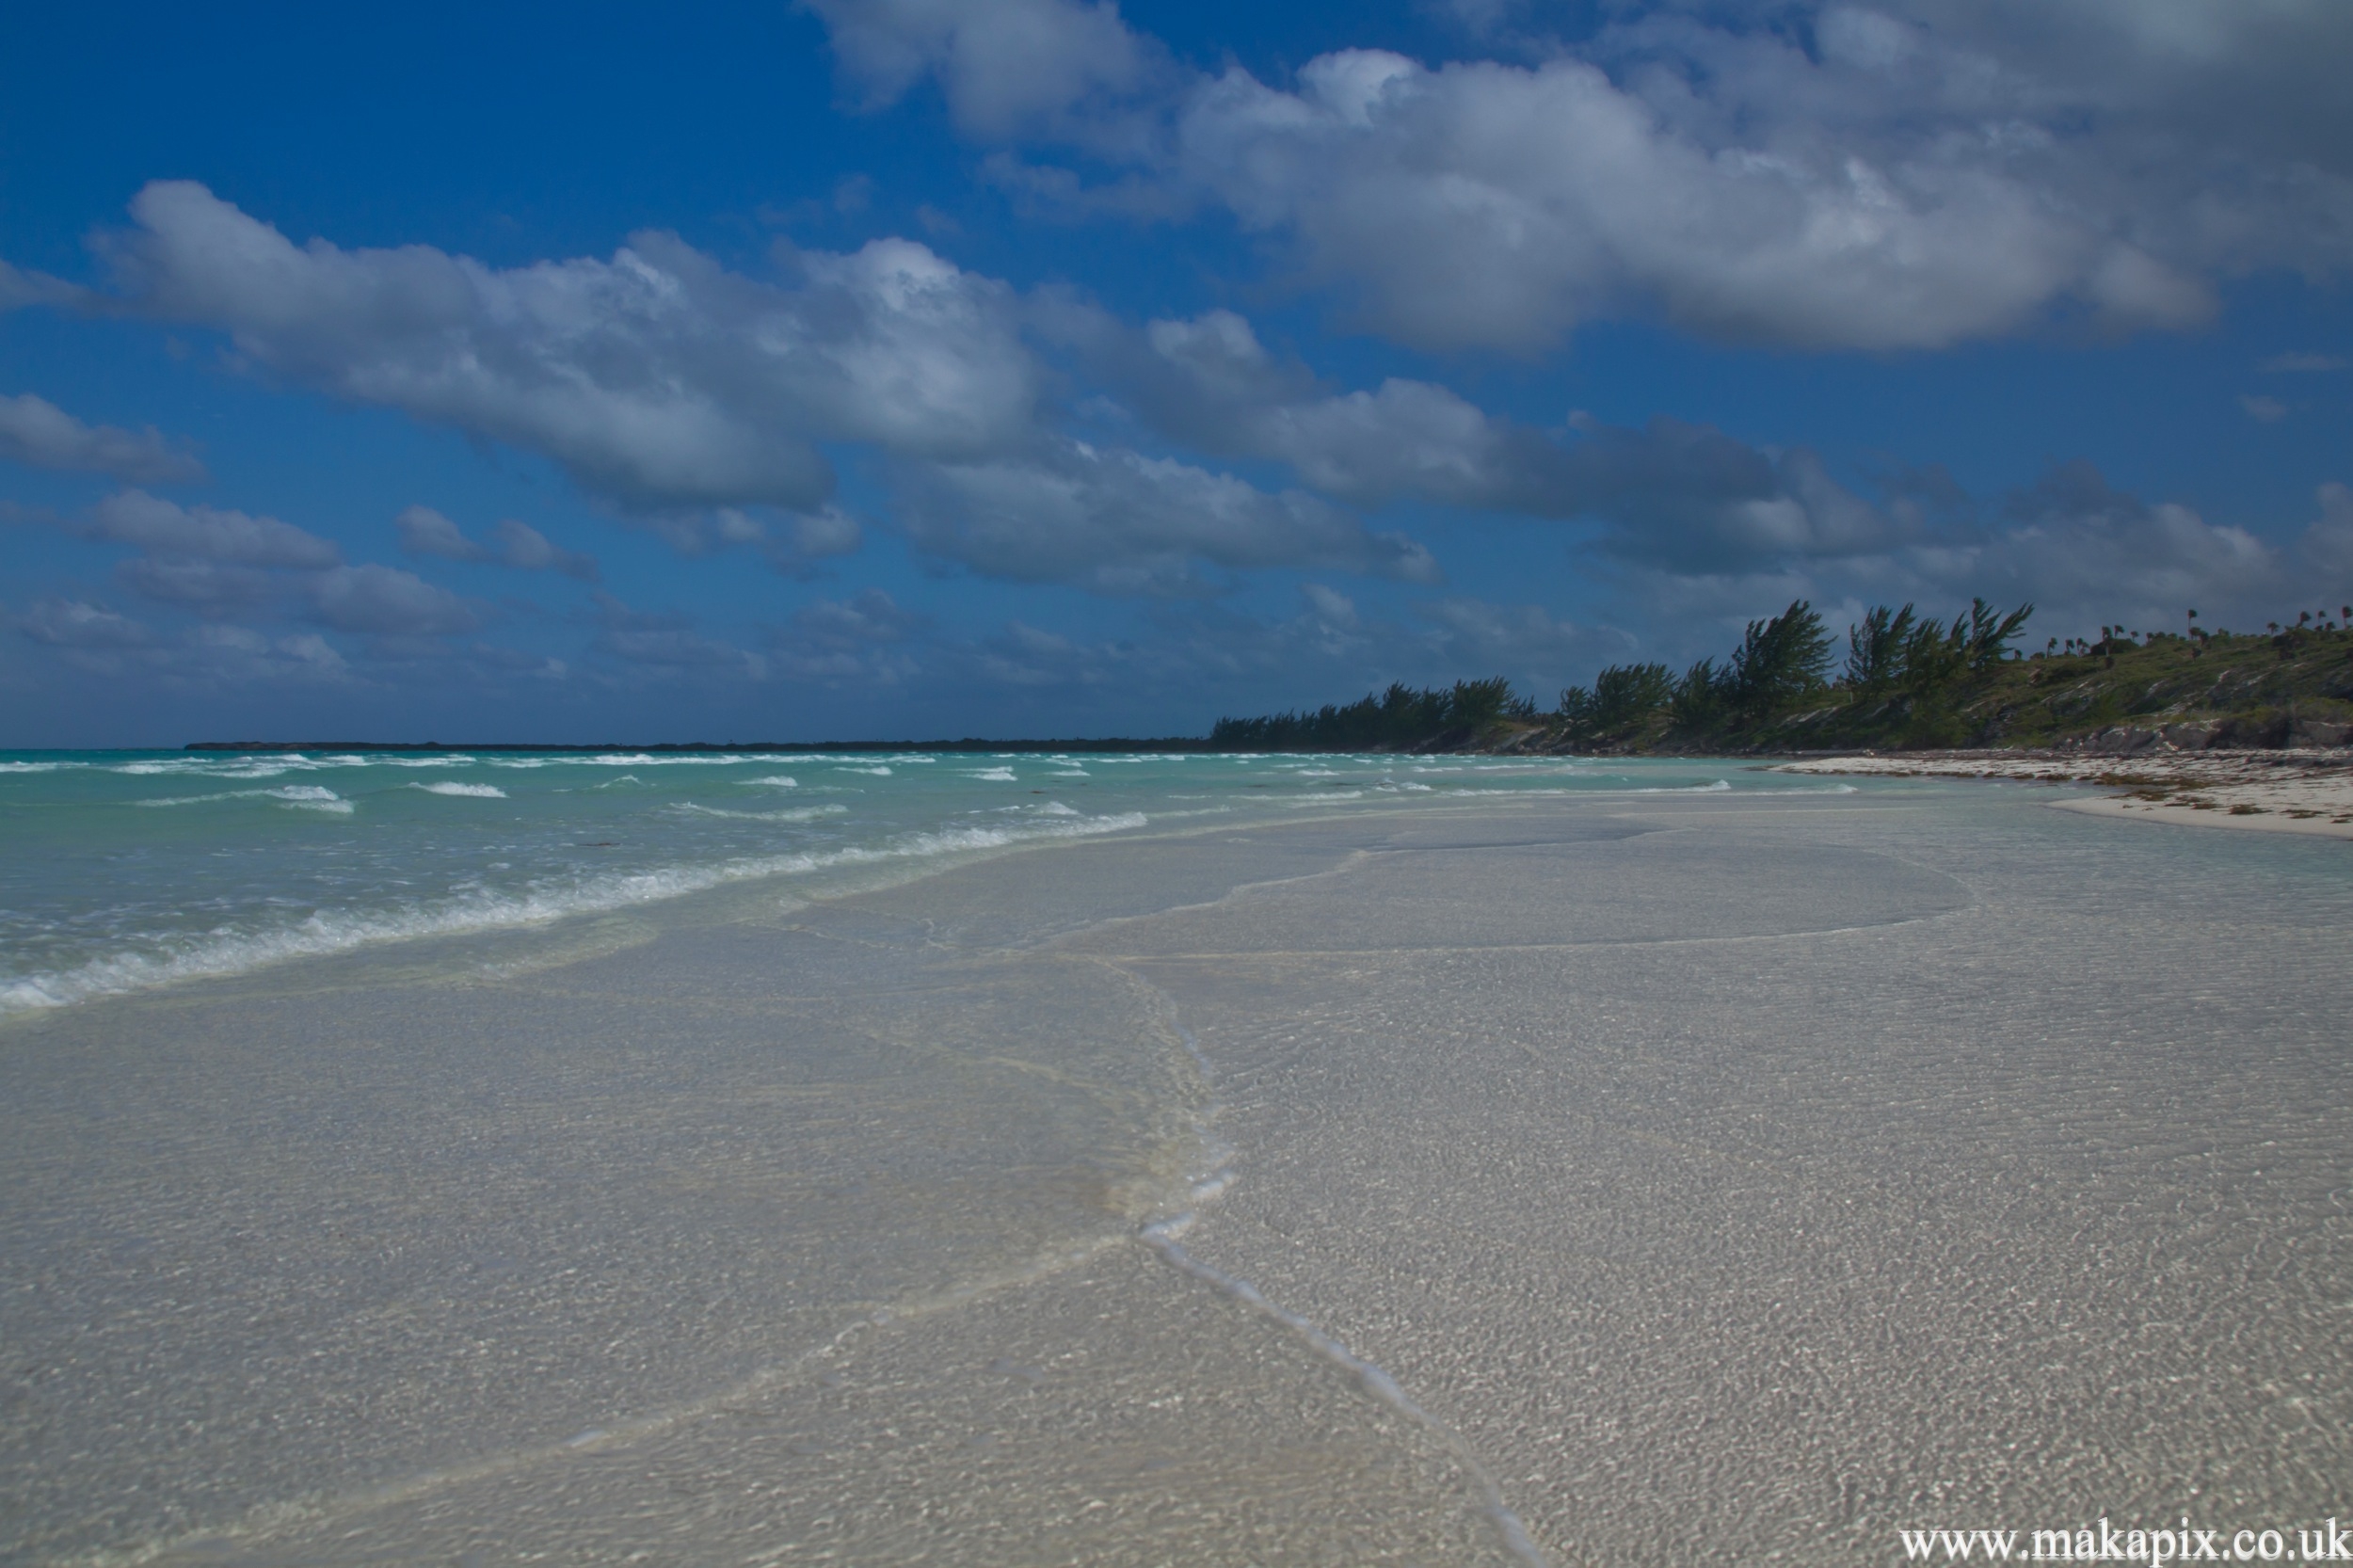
(1520, 1168)
(127, 870)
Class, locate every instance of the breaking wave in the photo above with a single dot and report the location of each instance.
(794, 813)
(327, 932)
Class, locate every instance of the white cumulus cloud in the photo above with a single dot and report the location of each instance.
(1498, 205)
(1118, 521)
(1900, 176)
(77, 623)
(387, 601)
(1671, 492)
(657, 378)
(1008, 66)
(205, 533)
(35, 431)
(514, 543)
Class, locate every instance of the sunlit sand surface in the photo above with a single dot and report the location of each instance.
(1683, 1179)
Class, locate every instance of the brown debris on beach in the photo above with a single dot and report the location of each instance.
(2303, 791)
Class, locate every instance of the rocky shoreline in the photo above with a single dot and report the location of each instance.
(2302, 735)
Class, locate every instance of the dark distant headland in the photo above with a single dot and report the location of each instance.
(1909, 682)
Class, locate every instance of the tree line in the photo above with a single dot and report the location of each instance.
(1900, 666)
(1387, 721)
(1904, 672)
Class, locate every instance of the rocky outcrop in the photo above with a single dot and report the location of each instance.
(2120, 740)
(2265, 732)
(2319, 732)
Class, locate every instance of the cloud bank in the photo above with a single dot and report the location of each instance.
(1903, 176)
(688, 396)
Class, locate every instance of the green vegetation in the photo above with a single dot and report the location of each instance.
(1908, 681)
(1400, 719)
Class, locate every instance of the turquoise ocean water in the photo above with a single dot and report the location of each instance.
(130, 869)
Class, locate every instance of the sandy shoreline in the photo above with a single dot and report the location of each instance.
(1682, 1179)
(2272, 792)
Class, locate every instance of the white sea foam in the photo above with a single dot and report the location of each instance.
(147, 769)
(1475, 792)
(992, 776)
(268, 765)
(39, 767)
(777, 782)
(207, 769)
(797, 813)
(472, 792)
(227, 951)
(880, 771)
(438, 759)
(311, 797)
(200, 800)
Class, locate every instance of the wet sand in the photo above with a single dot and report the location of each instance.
(1583, 1180)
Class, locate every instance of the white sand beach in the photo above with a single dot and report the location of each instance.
(1610, 1180)
(2270, 792)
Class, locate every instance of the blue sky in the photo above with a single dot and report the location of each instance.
(886, 368)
